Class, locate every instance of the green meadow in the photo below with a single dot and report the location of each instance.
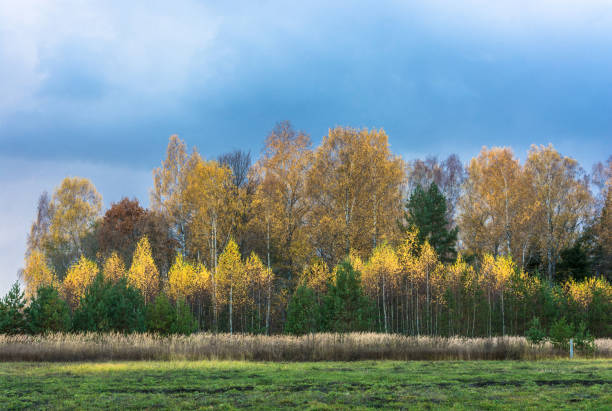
(553, 384)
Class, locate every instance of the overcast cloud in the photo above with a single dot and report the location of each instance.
(95, 88)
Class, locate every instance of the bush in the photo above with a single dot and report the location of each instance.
(560, 333)
(160, 315)
(164, 318)
(535, 334)
(583, 340)
(12, 318)
(108, 306)
(185, 323)
(302, 312)
(48, 312)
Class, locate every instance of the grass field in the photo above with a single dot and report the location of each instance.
(551, 384)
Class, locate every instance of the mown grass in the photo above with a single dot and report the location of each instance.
(551, 384)
(317, 347)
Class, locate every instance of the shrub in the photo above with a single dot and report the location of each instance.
(160, 315)
(560, 333)
(108, 306)
(535, 334)
(164, 318)
(12, 319)
(583, 340)
(48, 312)
(184, 321)
(302, 312)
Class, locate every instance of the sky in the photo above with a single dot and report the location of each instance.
(94, 89)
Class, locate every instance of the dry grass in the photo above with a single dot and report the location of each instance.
(318, 347)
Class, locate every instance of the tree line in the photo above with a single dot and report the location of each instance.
(431, 247)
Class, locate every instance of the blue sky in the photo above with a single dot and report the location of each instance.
(95, 88)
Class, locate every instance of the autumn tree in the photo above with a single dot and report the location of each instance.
(125, 222)
(79, 276)
(231, 279)
(604, 234)
(355, 187)
(260, 281)
(381, 275)
(208, 196)
(244, 186)
(113, 268)
(182, 279)
(37, 273)
(119, 230)
(317, 276)
(143, 273)
(39, 231)
(602, 224)
(563, 198)
(280, 202)
(74, 207)
(169, 184)
(497, 205)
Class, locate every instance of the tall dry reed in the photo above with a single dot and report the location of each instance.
(317, 347)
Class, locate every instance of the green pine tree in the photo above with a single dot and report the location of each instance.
(184, 320)
(165, 318)
(108, 306)
(426, 210)
(346, 308)
(302, 312)
(12, 318)
(48, 312)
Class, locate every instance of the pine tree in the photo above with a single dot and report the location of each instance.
(426, 210)
(302, 312)
(12, 319)
(48, 312)
(346, 308)
(108, 306)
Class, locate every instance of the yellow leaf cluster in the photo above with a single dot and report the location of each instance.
(80, 275)
(186, 280)
(231, 278)
(113, 268)
(143, 273)
(317, 276)
(584, 291)
(37, 273)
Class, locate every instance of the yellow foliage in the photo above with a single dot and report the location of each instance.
(182, 279)
(427, 262)
(74, 207)
(317, 276)
(382, 268)
(202, 283)
(355, 185)
(460, 273)
(143, 273)
(114, 268)
(497, 271)
(231, 278)
(80, 275)
(37, 273)
(583, 292)
(209, 194)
